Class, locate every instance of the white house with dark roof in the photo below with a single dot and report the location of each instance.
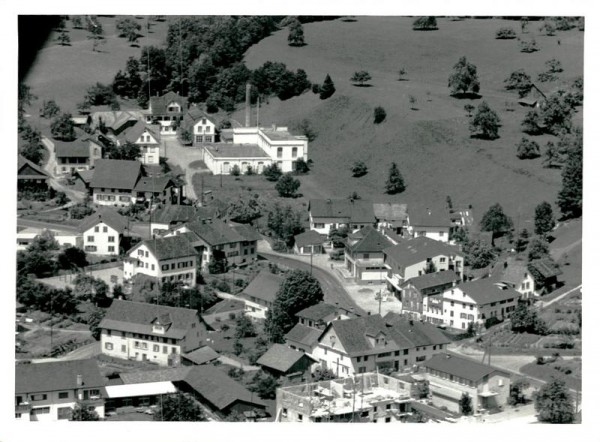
(516, 274)
(363, 255)
(48, 392)
(221, 158)
(328, 214)
(201, 126)
(102, 232)
(147, 137)
(419, 290)
(430, 222)
(167, 111)
(77, 155)
(148, 332)
(171, 259)
(261, 293)
(473, 301)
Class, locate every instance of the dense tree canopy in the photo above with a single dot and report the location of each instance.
(495, 220)
(485, 123)
(463, 78)
(528, 149)
(287, 186)
(63, 128)
(425, 24)
(524, 319)
(179, 407)
(519, 81)
(544, 218)
(285, 223)
(327, 89)
(360, 78)
(570, 197)
(554, 403)
(296, 34)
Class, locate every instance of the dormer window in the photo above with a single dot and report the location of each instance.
(158, 328)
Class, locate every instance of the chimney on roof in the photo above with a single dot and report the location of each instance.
(248, 89)
(274, 126)
(79, 380)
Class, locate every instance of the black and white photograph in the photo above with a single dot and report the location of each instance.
(259, 218)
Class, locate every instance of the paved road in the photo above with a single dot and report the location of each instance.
(50, 167)
(84, 352)
(333, 290)
(24, 222)
(545, 304)
(182, 156)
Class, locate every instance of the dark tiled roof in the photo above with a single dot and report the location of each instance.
(174, 213)
(309, 238)
(60, 375)
(85, 175)
(415, 250)
(215, 233)
(133, 133)
(153, 184)
(201, 355)
(430, 280)
(356, 211)
(107, 216)
(265, 286)
(462, 367)
(546, 267)
(114, 120)
(116, 174)
(77, 148)
(428, 217)
(216, 387)
(159, 104)
(227, 305)
(417, 332)
(170, 247)
(23, 171)
(370, 241)
(318, 311)
(304, 335)
(227, 150)
(161, 375)
(485, 291)
(510, 271)
(192, 116)
(138, 317)
(247, 232)
(280, 357)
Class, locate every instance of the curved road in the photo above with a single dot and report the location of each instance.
(332, 289)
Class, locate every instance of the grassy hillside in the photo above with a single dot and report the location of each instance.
(432, 145)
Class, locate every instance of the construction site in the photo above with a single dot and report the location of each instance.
(369, 397)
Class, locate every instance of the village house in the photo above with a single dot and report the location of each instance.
(223, 311)
(363, 255)
(328, 214)
(369, 397)
(112, 123)
(65, 237)
(261, 293)
(215, 239)
(280, 360)
(545, 272)
(370, 343)
(200, 126)
(515, 273)
(148, 332)
(309, 243)
(168, 216)
(120, 183)
(414, 257)
(451, 376)
(147, 137)
(103, 231)
(415, 290)
(473, 301)
(167, 111)
(392, 216)
(171, 259)
(50, 391)
(81, 154)
(429, 222)
(30, 176)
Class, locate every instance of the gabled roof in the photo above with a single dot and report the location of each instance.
(546, 267)
(159, 104)
(280, 358)
(264, 286)
(85, 175)
(193, 115)
(24, 163)
(356, 211)
(352, 333)
(417, 332)
(486, 291)
(60, 375)
(107, 216)
(416, 250)
(216, 387)
(511, 271)
(161, 375)
(247, 232)
(116, 174)
(318, 311)
(461, 367)
(153, 184)
(369, 240)
(138, 317)
(390, 212)
(304, 335)
(430, 280)
(170, 247)
(309, 238)
(428, 217)
(224, 306)
(114, 120)
(215, 232)
(175, 213)
(201, 355)
(133, 133)
(76, 148)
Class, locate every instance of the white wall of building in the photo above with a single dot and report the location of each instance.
(47, 410)
(101, 239)
(143, 261)
(438, 233)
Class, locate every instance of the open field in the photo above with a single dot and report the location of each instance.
(432, 145)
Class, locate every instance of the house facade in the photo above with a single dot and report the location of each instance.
(50, 391)
(363, 255)
(103, 231)
(430, 223)
(167, 111)
(78, 155)
(452, 376)
(328, 214)
(309, 243)
(416, 291)
(30, 175)
(261, 293)
(147, 332)
(201, 127)
(516, 274)
(147, 137)
(170, 259)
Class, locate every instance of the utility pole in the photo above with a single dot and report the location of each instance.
(311, 258)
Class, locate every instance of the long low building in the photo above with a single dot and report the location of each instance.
(222, 158)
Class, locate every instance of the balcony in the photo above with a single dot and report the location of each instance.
(23, 407)
(396, 280)
(91, 401)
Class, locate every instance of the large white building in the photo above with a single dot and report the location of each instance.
(49, 391)
(102, 232)
(256, 147)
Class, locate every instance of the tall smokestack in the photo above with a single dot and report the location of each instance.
(248, 88)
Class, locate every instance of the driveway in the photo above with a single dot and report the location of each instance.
(75, 196)
(182, 156)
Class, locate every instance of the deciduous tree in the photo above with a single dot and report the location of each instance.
(287, 186)
(63, 128)
(359, 78)
(84, 413)
(495, 220)
(519, 81)
(463, 78)
(296, 34)
(528, 149)
(544, 219)
(532, 123)
(359, 168)
(538, 248)
(485, 123)
(425, 24)
(554, 403)
(465, 404)
(179, 407)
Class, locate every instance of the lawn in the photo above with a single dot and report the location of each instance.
(568, 369)
(431, 145)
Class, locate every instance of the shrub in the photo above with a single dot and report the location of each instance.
(528, 149)
(287, 186)
(235, 170)
(425, 24)
(359, 168)
(528, 46)
(379, 114)
(337, 255)
(506, 34)
(272, 172)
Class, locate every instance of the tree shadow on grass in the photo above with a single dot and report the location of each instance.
(466, 96)
(484, 137)
(362, 85)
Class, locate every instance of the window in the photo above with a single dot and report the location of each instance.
(90, 238)
(173, 266)
(442, 259)
(64, 413)
(441, 233)
(111, 239)
(63, 395)
(319, 225)
(198, 138)
(279, 152)
(111, 248)
(123, 349)
(165, 267)
(97, 229)
(366, 358)
(300, 417)
(105, 230)
(156, 348)
(294, 152)
(40, 410)
(108, 346)
(358, 359)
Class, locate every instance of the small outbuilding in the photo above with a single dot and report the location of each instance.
(280, 360)
(309, 243)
